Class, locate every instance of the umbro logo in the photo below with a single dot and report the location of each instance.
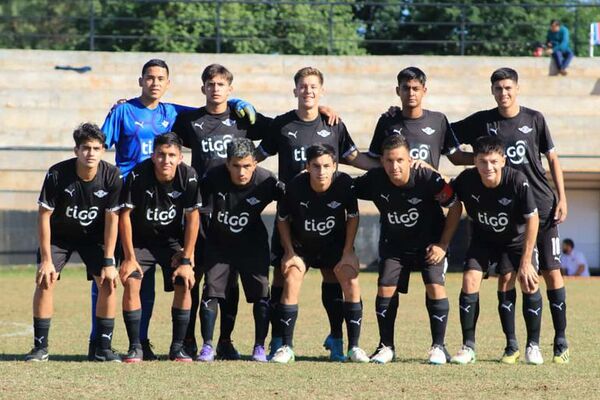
(398, 131)
(525, 129)
(439, 317)
(174, 194)
(199, 125)
(228, 122)
(165, 123)
(356, 322)
(304, 204)
(476, 197)
(324, 133)
(100, 193)
(507, 307)
(294, 134)
(138, 123)
(150, 193)
(504, 201)
(536, 311)
(222, 195)
(428, 131)
(253, 201)
(386, 197)
(334, 204)
(70, 192)
(414, 200)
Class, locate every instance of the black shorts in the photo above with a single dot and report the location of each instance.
(549, 246)
(148, 257)
(395, 271)
(253, 273)
(482, 256)
(92, 256)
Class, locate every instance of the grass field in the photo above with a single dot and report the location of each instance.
(68, 376)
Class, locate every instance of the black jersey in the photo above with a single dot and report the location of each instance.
(428, 136)
(526, 136)
(207, 135)
(78, 206)
(289, 137)
(498, 214)
(236, 229)
(410, 216)
(318, 220)
(158, 208)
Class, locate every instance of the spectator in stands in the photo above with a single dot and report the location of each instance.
(573, 261)
(557, 42)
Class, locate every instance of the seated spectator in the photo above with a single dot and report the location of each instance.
(557, 42)
(573, 261)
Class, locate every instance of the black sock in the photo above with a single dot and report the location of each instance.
(132, 325)
(288, 313)
(532, 312)
(558, 309)
(386, 309)
(208, 317)
(261, 310)
(469, 313)
(106, 327)
(438, 319)
(506, 310)
(180, 319)
(190, 333)
(353, 313)
(332, 298)
(276, 292)
(41, 328)
(229, 310)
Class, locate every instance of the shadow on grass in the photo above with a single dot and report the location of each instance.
(53, 357)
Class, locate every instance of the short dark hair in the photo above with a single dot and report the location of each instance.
(569, 242)
(169, 139)
(410, 73)
(504, 73)
(216, 70)
(488, 145)
(393, 142)
(308, 71)
(155, 62)
(87, 132)
(319, 149)
(554, 21)
(240, 148)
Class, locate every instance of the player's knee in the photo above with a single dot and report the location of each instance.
(553, 278)
(386, 291)
(436, 291)
(471, 281)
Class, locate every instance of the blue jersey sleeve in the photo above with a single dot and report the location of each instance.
(113, 125)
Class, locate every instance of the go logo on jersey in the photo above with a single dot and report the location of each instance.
(517, 153)
(216, 145)
(498, 223)
(164, 217)
(409, 219)
(323, 228)
(85, 217)
(235, 223)
(420, 153)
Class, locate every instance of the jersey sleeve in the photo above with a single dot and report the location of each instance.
(181, 108)
(269, 145)
(457, 186)
(346, 144)
(206, 192)
(192, 196)
(48, 193)
(466, 130)
(113, 125)
(115, 185)
(127, 200)
(283, 207)
(182, 129)
(378, 138)
(278, 189)
(362, 188)
(546, 145)
(351, 200)
(450, 144)
(441, 190)
(260, 129)
(526, 200)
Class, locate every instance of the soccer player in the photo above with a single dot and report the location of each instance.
(290, 135)
(78, 211)
(500, 203)
(159, 195)
(526, 138)
(414, 234)
(131, 128)
(235, 194)
(317, 222)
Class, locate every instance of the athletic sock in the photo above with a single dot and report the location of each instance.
(332, 298)
(532, 312)
(288, 313)
(261, 310)
(386, 309)
(276, 292)
(94, 298)
(147, 296)
(209, 308)
(353, 313)
(438, 319)
(506, 310)
(41, 328)
(132, 325)
(106, 327)
(180, 319)
(558, 309)
(190, 333)
(229, 310)
(469, 313)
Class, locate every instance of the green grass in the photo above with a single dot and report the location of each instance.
(311, 376)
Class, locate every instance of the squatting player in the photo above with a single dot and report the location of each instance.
(317, 222)
(500, 203)
(79, 205)
(526, 137)
(290, 135)
(160, 194)
(235, 194)
(414, 234)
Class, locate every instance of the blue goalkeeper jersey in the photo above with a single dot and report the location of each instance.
(131, 127)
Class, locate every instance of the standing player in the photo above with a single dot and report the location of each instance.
(78, 211)
(526, 137)
(500, 202)
(414, 234)
(290, 135)
(235, 194)
(160, 194)
(317, 222)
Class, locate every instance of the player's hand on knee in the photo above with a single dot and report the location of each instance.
(127, 268)
(46, 275)
(292, 260)
(110, 275)
(186, 273)
(528, 277)
(348, 266)
(435, 253)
